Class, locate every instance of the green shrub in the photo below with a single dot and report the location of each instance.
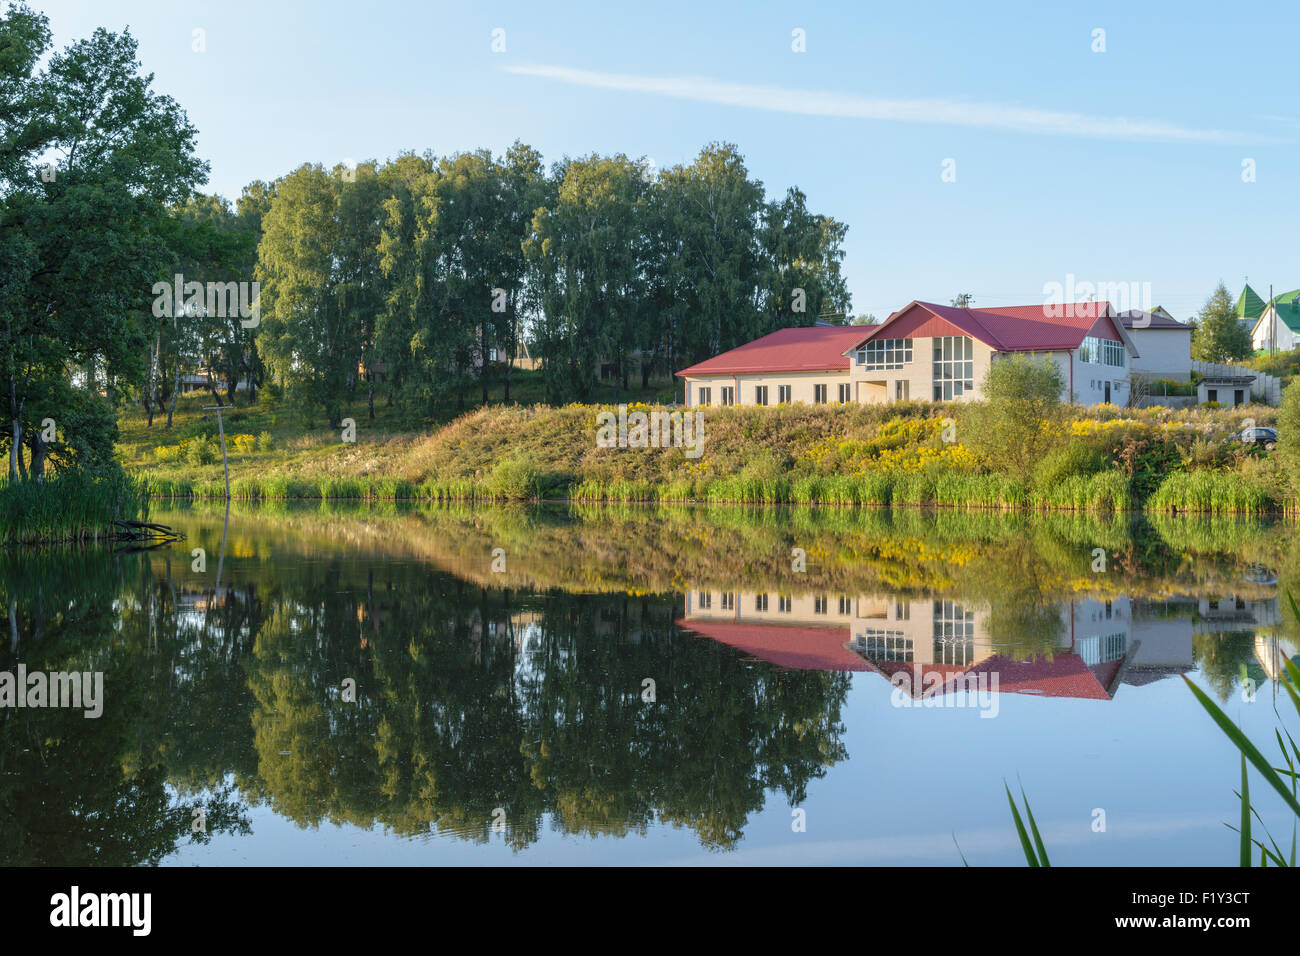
(200, 450)
(514, 479)
(1076, 458)
(1288, 435)
(265, 442)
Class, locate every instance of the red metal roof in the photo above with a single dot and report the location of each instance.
(1062, 675)
(797, 648)
(811, 349)
(1011, 328)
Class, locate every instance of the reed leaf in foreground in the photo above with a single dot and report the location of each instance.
(1290, 681)
(1035, 853)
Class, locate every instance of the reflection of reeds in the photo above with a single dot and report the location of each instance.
(1273, 776)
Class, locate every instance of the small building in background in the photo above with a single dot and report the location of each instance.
(1228, 390)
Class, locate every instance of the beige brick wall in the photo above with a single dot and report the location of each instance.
(801, 386)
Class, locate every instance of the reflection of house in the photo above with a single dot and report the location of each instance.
(1273, 653)
(1098, 645)
(890, 635)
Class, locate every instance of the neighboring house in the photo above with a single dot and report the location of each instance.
(1164, 344)
(1228, 390)
(1249, 308)
(1282, 315)
(789, 365)
(924, 351)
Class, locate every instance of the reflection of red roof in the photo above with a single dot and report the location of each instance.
(797, 648)
(1013, 328)
(1065, 675)
(812, 349)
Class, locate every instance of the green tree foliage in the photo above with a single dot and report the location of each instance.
(1218, 336)
(309, 335)
(1288, 434)
(90, 160)
(1014, 426)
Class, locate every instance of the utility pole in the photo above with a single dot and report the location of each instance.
(222, 429)
(1272, 325)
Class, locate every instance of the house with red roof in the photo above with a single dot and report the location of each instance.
(925, 352)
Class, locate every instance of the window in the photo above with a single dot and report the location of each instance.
(1212, 395)
(760, 602)
(954, 367)
(706, 394)
(844, 393)
(881, 354)
(728, 395)
(954, 634)
(819, 605)
(819, 394)
(760, 394)
(902, 390)
(783, 603)
(902, 611)
(1097, 351)
(705, 600)
(783, 393)
(729, 600)
(882, 645)
(844, 604)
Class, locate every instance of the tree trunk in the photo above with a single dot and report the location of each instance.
(176, 391)
(39, 449)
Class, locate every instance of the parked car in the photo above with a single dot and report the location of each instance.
(1258, 435)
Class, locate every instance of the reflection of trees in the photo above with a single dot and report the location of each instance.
(77, 791)
(1224, 657)
(454, 719)
(468, 700)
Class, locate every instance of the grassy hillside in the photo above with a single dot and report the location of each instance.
(850, 454)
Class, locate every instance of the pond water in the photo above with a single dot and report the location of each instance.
(415, 685)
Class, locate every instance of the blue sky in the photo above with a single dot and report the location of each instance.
(1116, 166)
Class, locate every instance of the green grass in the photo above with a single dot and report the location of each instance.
(68, 508)
(1213, 492)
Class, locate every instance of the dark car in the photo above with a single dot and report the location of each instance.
(1258, 435)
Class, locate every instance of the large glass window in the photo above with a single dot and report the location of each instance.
(954, 634)
(880, 354)
(705, 394)
(760, 394)
(954, 367)
(879, 644)
(1097, 351)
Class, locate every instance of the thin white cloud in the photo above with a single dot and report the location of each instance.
(821, 103)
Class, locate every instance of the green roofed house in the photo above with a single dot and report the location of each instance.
(1281, 318)
(1249, 305)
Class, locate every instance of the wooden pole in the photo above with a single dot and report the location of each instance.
(222, 429)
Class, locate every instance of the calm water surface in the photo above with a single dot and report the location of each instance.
(344, 684)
